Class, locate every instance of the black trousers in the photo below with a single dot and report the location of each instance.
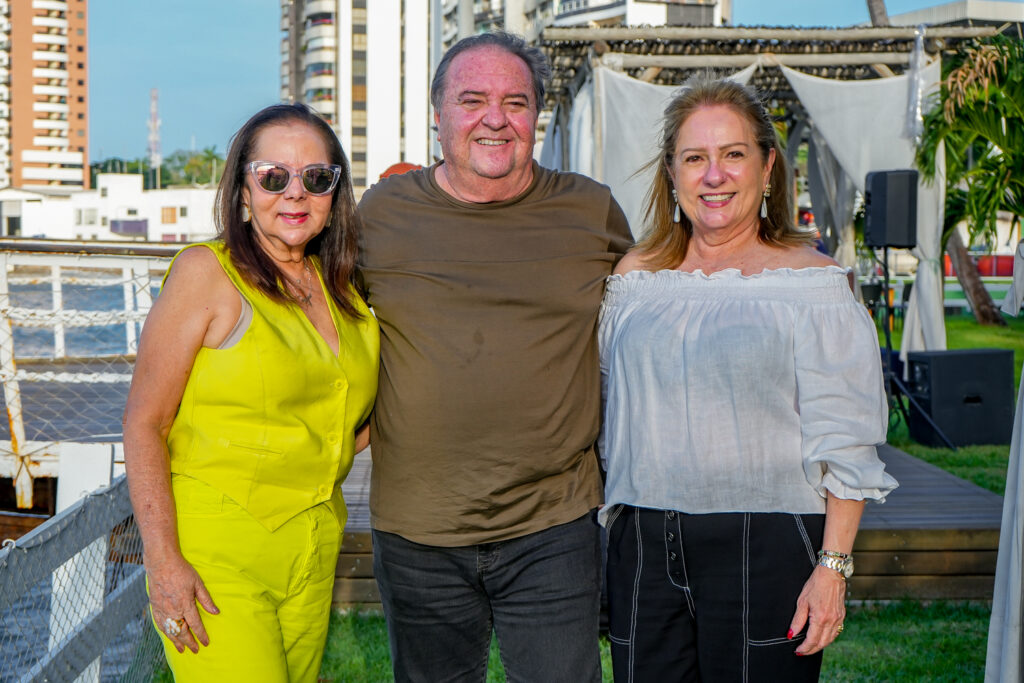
(710, 597)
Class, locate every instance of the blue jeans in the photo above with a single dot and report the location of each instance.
(539, 592)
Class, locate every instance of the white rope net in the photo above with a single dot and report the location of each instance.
(69, 330)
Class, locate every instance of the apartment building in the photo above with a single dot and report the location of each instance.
(528, 18)
(365, 65)
(639, 13)
(44, 116)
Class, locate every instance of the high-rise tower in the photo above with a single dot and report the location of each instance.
(44, 131)
(364, 65)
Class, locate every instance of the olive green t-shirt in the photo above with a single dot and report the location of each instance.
(489, 398)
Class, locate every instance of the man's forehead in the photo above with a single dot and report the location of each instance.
(486, 68)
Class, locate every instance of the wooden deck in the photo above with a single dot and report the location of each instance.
(936, 537)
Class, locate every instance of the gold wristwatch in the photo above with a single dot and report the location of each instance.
(840, 562)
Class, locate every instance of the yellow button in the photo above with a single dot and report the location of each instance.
(306, 575)
(322, 490)
(339, 383)
(315, 550)
(332, 438)
(316, 524)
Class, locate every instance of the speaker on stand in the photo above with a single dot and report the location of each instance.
(890, 220)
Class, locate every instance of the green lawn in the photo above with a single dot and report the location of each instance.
(900, 642)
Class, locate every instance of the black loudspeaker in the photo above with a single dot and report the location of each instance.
(890, 209)
(967, 392)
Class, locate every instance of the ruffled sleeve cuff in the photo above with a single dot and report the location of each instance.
(865, 480)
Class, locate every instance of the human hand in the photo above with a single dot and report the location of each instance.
(822, 607)
(174, 589)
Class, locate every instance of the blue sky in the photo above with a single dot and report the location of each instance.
(216, 62)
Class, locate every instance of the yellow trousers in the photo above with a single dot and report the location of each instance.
(273, 589)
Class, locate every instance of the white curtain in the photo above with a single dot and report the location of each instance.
(832, 196)
(863, 122)
(1003, 663)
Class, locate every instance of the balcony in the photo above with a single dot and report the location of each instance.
(49, 56)
(33, 173)
(51, 157)
(52, 107)
(49, 124)
(50, 90)
(51, 142)
(315, 7)
(51, 22)
(53, 5)
(51, 74)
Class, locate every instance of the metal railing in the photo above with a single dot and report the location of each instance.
(70, 316)
(73, 603)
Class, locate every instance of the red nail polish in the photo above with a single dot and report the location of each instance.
(799, 654)
(789, 634)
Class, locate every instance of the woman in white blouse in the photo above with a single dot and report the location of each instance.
(744, 400)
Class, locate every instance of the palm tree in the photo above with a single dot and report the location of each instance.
(981, 122)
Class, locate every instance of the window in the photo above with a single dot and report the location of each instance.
(183, 212)
(78, 216)
(81, 116)
(89, 216)
(103, 192)
(168, 215)
(81, 49)
(103, 221)
(81, 99)
(133, 212)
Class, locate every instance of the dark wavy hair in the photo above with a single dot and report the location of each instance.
(337, 243)
(667, 241)
(535, 60)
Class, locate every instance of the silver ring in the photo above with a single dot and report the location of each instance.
(172, 627)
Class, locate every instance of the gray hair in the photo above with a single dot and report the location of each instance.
(534, 59)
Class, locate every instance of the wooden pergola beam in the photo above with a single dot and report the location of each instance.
(621, 60)
(784, 34)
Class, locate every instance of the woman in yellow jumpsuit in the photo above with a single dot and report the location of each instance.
(255, 374)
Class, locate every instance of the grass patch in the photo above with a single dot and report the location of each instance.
(357, 652)
(902, 642)
(908, 641)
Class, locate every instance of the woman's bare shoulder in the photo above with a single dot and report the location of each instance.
(804, 257)
(634, 259)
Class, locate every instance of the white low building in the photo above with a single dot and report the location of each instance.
(118, 208)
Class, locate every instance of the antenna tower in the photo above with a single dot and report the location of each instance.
(154, 138)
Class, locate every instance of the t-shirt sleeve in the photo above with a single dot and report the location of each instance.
(841, 401)
(617, 227)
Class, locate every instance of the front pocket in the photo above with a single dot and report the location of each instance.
(194, 498)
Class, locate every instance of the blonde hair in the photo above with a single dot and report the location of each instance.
(665, 242)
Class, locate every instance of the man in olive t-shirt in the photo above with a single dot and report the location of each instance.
(486, 272)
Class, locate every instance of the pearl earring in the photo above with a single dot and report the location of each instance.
(246, 214)
(764, 202)
(676, 215)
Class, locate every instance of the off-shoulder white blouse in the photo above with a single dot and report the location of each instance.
(730, 393)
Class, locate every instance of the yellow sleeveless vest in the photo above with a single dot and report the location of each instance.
(270, 421)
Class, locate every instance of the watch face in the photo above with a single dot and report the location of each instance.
(848, 568)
